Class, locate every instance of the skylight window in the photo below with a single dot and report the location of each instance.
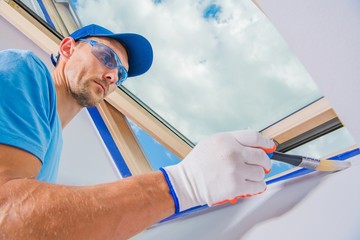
(208, 76)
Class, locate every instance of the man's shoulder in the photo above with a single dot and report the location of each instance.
(17, 56)
(21, 62)
(17, 53)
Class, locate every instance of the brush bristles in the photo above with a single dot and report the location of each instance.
(332, 165)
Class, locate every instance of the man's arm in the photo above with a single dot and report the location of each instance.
(220, 168)
(31, 209)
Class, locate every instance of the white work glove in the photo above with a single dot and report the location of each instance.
(220, 169)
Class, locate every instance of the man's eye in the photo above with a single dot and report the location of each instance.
(108, 61)
(105, 58)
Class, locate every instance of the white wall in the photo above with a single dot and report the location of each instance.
(85, 159)
(11, 37)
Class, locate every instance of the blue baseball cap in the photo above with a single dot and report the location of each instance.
(138, 48)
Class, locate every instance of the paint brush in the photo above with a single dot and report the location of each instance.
(311, 163)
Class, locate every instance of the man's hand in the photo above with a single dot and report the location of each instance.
(221, 168)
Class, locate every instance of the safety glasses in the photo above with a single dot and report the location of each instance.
(108, 58)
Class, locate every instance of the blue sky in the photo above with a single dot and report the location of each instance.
(212, 11)
(157, 154)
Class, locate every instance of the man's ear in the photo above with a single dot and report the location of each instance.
(67, 47)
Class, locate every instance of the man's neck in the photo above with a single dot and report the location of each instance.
(67, 106)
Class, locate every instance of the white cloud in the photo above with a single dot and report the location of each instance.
(209, 75)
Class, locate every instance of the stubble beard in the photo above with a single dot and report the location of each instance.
(84, 96)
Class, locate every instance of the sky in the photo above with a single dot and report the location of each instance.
(218, 66)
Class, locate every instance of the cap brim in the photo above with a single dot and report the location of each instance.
(139, 50)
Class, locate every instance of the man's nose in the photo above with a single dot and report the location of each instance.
(111, 76)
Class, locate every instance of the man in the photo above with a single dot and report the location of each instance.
(36, 105)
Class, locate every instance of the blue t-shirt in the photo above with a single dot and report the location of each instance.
(28, 116)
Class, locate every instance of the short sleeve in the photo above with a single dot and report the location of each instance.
(27, 106)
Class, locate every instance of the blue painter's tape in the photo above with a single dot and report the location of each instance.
(303, 171)
(346, 155)
(46, 14)
(109, 142)
(293, 174)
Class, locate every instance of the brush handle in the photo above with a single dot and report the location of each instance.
(294, 160)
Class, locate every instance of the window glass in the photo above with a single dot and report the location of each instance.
(218, 65)
(326, 145)
(35, 7)
(157, 155)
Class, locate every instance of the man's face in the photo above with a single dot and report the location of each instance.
(89, 81)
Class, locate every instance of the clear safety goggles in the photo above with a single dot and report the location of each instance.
(108, 58)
